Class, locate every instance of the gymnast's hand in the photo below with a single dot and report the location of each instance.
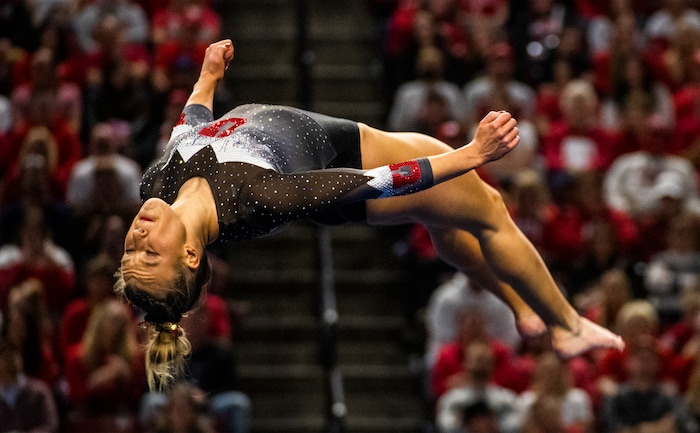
(496, 135)
(216, 59)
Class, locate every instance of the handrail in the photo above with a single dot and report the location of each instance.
(335, 409)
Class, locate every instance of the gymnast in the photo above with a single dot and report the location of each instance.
(259, 167)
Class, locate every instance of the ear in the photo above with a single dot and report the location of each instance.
(192, 257)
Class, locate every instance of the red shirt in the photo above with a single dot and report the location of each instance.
(450, 361)
(112, 396)
(172, 53)
(565, 149)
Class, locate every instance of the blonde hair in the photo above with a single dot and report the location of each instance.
(168, 346)
(575, 91)
(40, 134)
(637, 309)
(166, 352)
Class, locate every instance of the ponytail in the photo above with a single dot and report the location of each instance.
(166, 351)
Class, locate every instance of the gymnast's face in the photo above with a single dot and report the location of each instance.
(154, 245)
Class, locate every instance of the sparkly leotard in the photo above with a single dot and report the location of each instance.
(267, 166)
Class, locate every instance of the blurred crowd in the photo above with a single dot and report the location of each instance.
(604, 183)
(89, 92)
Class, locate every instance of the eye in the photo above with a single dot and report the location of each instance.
(129, 251)
(151, 253)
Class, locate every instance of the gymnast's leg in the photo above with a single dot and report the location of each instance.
(461, 249)
(467, 204)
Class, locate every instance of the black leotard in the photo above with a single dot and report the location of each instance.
(267, 166)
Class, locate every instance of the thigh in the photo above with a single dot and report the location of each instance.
(465, 202)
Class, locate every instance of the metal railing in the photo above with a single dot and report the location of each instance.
(335, 408)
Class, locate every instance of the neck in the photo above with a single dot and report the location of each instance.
(196, 208)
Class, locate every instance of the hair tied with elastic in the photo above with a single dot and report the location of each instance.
(171, 328)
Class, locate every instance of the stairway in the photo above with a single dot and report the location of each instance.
(342, 54)
(278, 356)
(278, 348)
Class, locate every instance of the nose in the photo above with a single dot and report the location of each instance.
(139, 232)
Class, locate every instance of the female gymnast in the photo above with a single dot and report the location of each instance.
(261, 166)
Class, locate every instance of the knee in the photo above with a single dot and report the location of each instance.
(494, 209)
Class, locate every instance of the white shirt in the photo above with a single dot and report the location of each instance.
(410, 98)
(501, 401)
(635, 181)
(575, 409)
(454, 296)
(80, 183)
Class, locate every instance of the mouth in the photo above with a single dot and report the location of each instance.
(145, 219)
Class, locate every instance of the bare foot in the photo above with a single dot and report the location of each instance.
(570, 343)
(530, 326)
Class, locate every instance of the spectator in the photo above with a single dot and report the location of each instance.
(39, 154)
(428, 97)
(63, 98)
(638, 324)
(449, 370)
(687, 132)
(600, 28)
(602, 302)
(529, 205)
(688, 406)
(35, 255)
(639, 181)
(581, 235)
(131, 17)
(640, 402)
(97, 282)
(546, 416)
(681, 335)
(632, 78)
(478, 417)
(679, 66)
(84, 191)
(26, 404)
(674, 269)
(104, 372)
(184, 412)
(548, 109)
(537, 28)
(581, 370)
(168, 22)
(415, 25)
(29, 329)
(176, 61)
(619, 37)
(106, 239)
(579, 142)
(35, 187)
(497, 89)
(479, 367)
(552, 379)
(664, 25)
(117, 87)
(450, 300)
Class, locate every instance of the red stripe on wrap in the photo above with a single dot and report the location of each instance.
(405, 173)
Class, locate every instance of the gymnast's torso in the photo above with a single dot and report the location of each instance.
(263, 163)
